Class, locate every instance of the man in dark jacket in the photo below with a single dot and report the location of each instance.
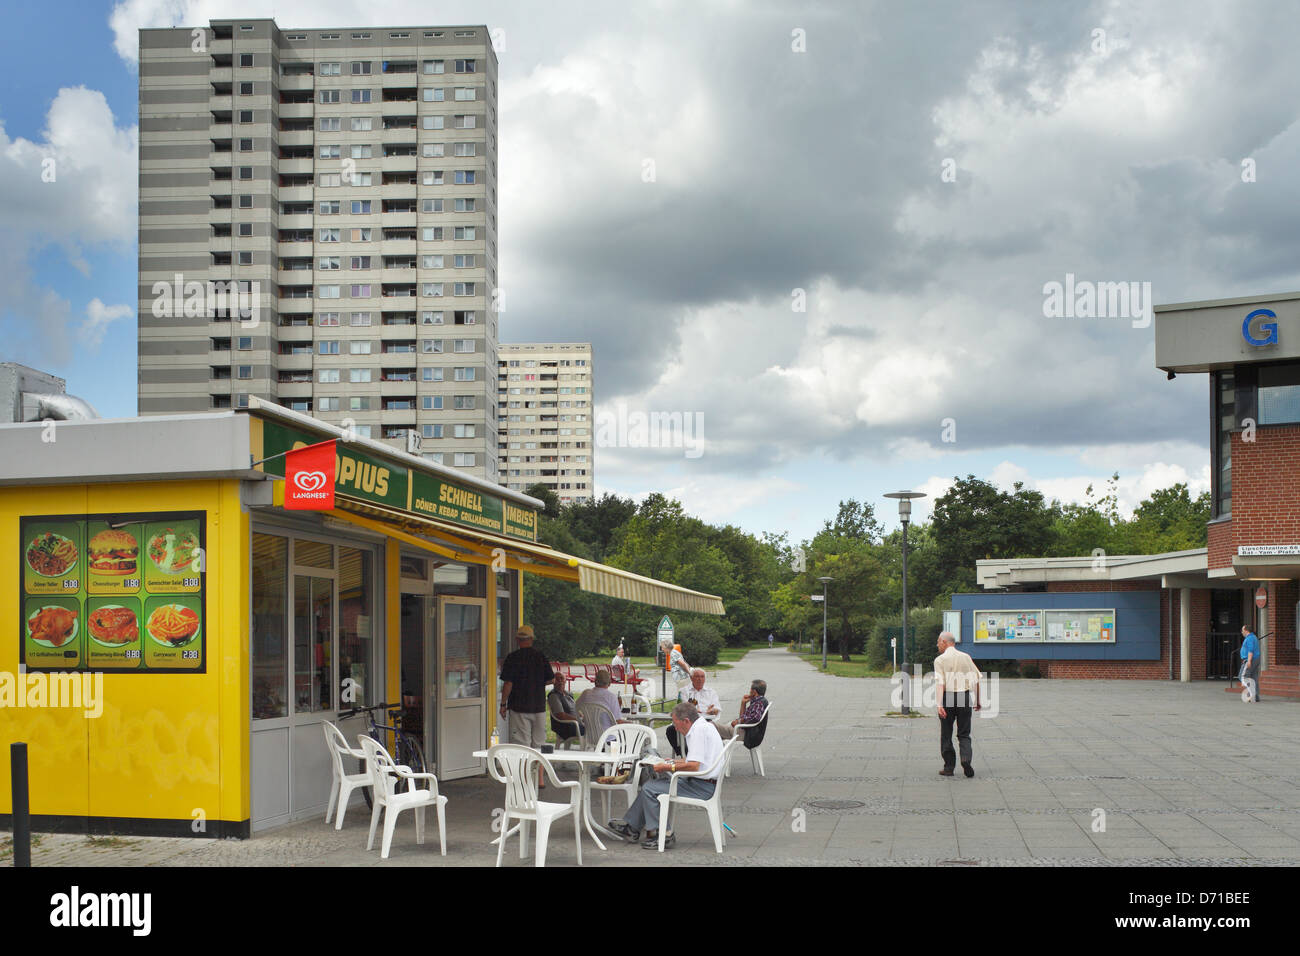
(526, 673)
(752, 707)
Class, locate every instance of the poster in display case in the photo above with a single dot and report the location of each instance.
(113, 592)
(1080, 626)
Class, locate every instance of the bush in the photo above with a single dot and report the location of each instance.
(1031, 671)
(701, 640)
(1003, 668)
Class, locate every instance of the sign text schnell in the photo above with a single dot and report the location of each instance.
(461, 498)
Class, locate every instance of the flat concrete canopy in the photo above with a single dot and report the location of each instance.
(1182, 772)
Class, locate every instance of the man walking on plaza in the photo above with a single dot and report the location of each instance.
(1250, 659)
(955, 676)
(526, 673)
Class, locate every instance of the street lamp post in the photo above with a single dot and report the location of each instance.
(905, 515)
(824, 581)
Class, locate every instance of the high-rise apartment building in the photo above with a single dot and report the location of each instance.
(345, 182)
(546, 428)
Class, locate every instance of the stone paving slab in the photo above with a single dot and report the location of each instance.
(1185, 775)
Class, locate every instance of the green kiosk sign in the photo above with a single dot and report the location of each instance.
(369, 477)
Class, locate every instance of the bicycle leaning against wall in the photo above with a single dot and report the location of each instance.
(405, 750)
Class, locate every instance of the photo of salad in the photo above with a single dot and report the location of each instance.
(173, 552)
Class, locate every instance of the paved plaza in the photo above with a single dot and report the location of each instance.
(1068, 773)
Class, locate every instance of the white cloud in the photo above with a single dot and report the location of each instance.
(98, 317)
(74, 188)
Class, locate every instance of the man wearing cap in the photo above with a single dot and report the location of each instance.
(526, 674)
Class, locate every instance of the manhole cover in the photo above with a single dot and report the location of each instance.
(959, 862)
(836, 804)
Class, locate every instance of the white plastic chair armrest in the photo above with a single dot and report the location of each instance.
(411, 776)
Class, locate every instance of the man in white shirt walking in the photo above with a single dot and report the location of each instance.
(955, 678)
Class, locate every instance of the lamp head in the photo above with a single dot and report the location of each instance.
(905, 502)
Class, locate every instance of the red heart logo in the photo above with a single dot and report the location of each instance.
(309, 480)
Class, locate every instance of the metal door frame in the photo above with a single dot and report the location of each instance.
(484, 699)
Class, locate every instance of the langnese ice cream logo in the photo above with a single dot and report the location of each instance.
(307, 482)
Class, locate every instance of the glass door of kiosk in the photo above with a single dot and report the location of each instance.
(418, 653)
(462, 712)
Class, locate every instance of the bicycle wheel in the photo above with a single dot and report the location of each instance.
(412, 754)
(365, 791)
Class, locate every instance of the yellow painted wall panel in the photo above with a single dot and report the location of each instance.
(166, 745)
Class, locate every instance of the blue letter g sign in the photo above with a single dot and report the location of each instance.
(1268, 328)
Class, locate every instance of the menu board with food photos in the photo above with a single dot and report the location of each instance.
(122, 593)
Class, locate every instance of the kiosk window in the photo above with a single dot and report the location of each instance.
(270, 649)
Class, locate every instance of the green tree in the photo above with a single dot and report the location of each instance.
(976, 520)
(549, 499)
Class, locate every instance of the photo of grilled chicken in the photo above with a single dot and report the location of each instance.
(53, 625)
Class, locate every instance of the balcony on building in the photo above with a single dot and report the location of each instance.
(297, 111)
(296, 327)
(301, 137)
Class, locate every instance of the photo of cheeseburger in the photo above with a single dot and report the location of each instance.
(113, 552)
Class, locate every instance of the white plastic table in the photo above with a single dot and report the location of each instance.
(584, 759)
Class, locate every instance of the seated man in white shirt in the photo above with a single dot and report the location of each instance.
(705, 747)
(618, 666)
(704, 698)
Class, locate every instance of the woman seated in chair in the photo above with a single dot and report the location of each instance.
(564, 712)
(602, 701)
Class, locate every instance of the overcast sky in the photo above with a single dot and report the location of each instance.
(678, 180)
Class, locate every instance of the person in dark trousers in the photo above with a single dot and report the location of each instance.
(1250, 658)
(955, 675)
(525, 674)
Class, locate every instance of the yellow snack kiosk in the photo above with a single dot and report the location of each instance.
(180, 637)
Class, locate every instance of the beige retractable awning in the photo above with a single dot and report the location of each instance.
(467, 544)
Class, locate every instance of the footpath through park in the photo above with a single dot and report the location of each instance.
(1068, 773)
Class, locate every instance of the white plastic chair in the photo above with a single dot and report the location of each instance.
(628, 742)
(711, 805)
(756, 754)
(516, 767)
(594, 717)
(343, 782)
(569, 743)
(390, 801)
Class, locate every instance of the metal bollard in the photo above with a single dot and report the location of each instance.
(21, 812)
